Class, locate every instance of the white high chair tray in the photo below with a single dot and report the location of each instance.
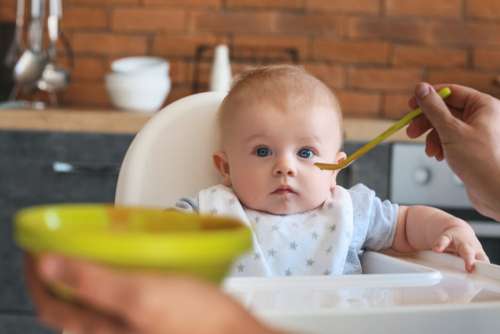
(424, 292)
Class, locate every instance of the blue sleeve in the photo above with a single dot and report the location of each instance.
(374, 220)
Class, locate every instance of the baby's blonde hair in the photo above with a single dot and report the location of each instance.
(281, 85)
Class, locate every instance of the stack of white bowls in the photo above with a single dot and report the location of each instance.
(138, 83)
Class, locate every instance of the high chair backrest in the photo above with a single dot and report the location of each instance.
(171, 156)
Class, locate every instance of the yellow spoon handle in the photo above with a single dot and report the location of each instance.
(444, 93)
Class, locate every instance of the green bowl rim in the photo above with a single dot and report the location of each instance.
(139, 249)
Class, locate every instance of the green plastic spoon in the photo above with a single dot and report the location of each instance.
(444, 93)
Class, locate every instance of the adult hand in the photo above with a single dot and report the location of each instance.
(109, 301)
(465, 130)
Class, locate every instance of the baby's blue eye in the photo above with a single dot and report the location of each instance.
(262, 151)
(305, 153)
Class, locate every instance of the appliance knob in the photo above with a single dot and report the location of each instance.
(422, 175)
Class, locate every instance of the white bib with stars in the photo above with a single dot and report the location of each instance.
(315, 242)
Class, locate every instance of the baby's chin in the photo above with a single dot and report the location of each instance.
(283, 205)
(285, 210)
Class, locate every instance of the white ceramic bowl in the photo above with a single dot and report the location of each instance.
(141, 66)
(140, 94)
(138, 83)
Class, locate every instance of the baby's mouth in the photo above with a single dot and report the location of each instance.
(284, 190)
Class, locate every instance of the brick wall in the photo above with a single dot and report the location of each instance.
(371, 52)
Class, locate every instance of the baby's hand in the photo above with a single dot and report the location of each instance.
(462, 241)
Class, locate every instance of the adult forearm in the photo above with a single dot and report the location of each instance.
(486, 199)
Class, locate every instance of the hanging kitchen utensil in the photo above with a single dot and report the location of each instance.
(54, 78)
(30, 65)
(17, 45)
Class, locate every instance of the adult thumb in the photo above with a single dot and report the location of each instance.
(434, 108)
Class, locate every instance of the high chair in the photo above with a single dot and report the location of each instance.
(171, 156)
(425, 292)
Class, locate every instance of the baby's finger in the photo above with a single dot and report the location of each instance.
(442, 243)
(467, 253)
(481, 256)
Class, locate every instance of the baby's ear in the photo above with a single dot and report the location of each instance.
(220, 161)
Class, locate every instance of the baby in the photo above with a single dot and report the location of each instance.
(275, 123)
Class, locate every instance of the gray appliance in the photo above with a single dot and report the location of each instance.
(417, 179)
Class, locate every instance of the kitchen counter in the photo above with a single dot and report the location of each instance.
(105, 121)
(69, 120)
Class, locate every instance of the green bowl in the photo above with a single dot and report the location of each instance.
(135, 238)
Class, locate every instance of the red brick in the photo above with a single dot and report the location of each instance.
(351, 52)
(347, 6)
(433, 8)
(8, 3)
(179, 91)
(483, 81)
(487, 58)
(485, 9)
(84, 18)
(89, 68)
(299, 43)
(275, 4)
(332, 75)
(395, 106)
(7, 12)
(183, 44)
(466, 34)
(383, 79)
(178, 71)
(86, 94)
(204, 70)
(357, 104)
(148, 20)
(232, 22)
(309, 23)
(183, 3)
(100, 3)
(429, 56)
(109, 44)
(396, 30)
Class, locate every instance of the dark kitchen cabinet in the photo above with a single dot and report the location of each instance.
(41, 168)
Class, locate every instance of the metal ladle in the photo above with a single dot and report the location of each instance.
(54, 78)
(17, 46)
(30, 65)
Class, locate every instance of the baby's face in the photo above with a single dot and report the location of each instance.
(270, 156)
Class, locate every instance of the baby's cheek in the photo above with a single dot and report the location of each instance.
(320, 187)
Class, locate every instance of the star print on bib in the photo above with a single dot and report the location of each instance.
(310, 243)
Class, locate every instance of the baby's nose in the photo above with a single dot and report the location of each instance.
(284, 166)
